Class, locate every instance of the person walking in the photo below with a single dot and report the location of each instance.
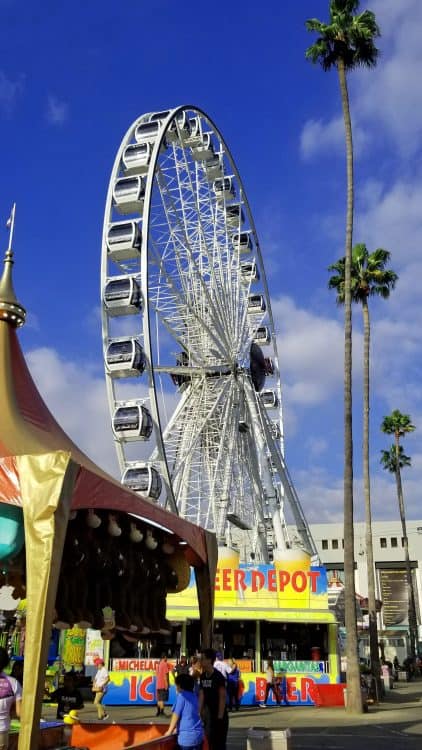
(185, 718)
(270, 685)
(212, 702)
(233, 679)
(162, 684)
(10, 696)
(99, 687)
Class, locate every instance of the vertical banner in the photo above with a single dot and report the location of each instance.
(94, 647)
(74, 648)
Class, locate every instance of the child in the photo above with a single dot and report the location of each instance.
(185, 716)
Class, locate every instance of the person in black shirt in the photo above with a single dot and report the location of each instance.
(212, 702)
(67, 697)
(182, 666)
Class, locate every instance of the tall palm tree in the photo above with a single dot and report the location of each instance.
(394, 460)
(345, 43)
(369, 277)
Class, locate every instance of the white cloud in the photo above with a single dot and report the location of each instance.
(57, 111)
(9, 92)
(319, 136)
(391, 96)
(311, 353)
(76, 396)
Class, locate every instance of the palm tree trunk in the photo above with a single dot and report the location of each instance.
(354, 696)
(372, 612)
(413, 625)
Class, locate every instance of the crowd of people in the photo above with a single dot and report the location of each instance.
(207, 688)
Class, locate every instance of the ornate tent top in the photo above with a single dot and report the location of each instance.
(10, 309)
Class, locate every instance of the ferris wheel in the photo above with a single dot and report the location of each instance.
(190, 351)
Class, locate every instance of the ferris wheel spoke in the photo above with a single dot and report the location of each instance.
(204, 238)
(177, 313)
(182, 242)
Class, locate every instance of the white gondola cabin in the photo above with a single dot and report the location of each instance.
(204, 149)
(136, 158)
(147, 132)
(242, 241)
(195, 131)
(125, 358)
(131, 421)
(269, 399)
(214, 167)
(122, 296)
(249, 271)
(129, 194)
(262, 335)
(224, 188)
(256, 303)
(234, 215)
(143, 479)
(159, 115)
(179, 128)
(124, 240)
(276, 430)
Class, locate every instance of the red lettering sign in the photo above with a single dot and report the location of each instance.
(272, 580)
(239, 580)
(227, 579)
(292, 693)
(258, 580)
(133, 685)
(299, 581)
(283, 579)
(313, 576)
(144, 691)
(306, 689)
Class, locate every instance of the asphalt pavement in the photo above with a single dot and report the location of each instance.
(394, 724)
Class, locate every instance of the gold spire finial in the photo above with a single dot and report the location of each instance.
(10, 309)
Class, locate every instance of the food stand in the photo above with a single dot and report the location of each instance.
(278, 611)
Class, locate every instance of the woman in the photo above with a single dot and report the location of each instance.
(233, 678)
(185, 717)
(99, 687)
(270, 686)
(10, 696)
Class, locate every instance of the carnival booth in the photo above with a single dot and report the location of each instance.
(277, 611)
(81, 548)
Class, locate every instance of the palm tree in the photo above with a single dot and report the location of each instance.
(394, 460)
(345, 43)
(369, 277)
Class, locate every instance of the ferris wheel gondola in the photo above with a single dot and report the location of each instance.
(195, 404)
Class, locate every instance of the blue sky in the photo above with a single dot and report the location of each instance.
(73, 76)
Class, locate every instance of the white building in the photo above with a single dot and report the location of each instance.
(390, 572)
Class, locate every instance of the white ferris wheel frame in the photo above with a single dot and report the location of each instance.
(262, 436)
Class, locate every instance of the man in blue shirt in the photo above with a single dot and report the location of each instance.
(185, 715)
